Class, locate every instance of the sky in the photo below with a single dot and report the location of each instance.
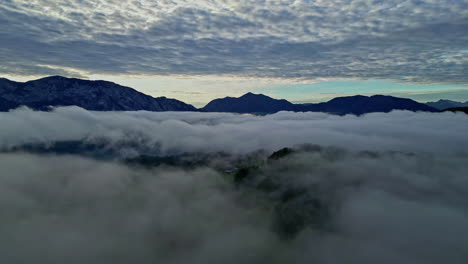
(195, 51)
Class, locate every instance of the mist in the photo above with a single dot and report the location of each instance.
(170, 133)
(386, 188)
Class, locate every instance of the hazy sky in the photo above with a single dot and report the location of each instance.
(198, 50)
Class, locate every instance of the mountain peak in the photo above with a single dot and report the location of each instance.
(248, 103)
(53, 77)
(252, 95)
(360, 104)
(91, 95)
(445, 104)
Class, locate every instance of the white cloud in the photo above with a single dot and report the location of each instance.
(400, 40)
(403, 202)
(190, 132)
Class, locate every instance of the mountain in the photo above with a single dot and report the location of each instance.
(91, 95)
(258, 103)
(444, 104)
(360, 104)
(107, 96)
(457, 109)
(248, 103)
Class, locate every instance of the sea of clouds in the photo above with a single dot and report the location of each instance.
(171, 133)
(403, 200)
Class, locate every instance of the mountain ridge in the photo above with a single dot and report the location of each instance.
(360, 104)
(102, 95)
(457, 109)
(248, 103)
(357, 104)
(443, 104)
(97, 95)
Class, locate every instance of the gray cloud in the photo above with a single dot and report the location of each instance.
(422, 41)
(108, 213)
(175, 133)
(395, 187)
(407, 206)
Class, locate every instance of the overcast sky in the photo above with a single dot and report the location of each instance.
(199, 50)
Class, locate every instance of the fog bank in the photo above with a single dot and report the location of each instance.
(380, 188)
(167, 133)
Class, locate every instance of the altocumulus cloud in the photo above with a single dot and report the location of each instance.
(402, 202)
(422, 41)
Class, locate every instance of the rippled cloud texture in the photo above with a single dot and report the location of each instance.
(415, 40)
(402, 202)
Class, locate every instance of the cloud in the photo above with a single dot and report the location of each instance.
(376, 188)
(108, 213)
(418, 41)
(176, 133)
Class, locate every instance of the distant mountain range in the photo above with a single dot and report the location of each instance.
(249, 103)
(457, 109)
(43, 93)
(91, 95)
(445, 104)
(258, 103)
(360, 104)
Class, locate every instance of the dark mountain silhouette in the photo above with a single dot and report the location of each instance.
(257, 103)
(107, 96)
(248, 103)
(360, 104)
(92, 95)
(457, 109)
(444, 104)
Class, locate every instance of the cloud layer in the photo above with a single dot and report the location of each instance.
(169, 133)
(394, 187)
(422, 41)
(386, 210)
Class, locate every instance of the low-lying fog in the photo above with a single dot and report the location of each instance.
(143, 187)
